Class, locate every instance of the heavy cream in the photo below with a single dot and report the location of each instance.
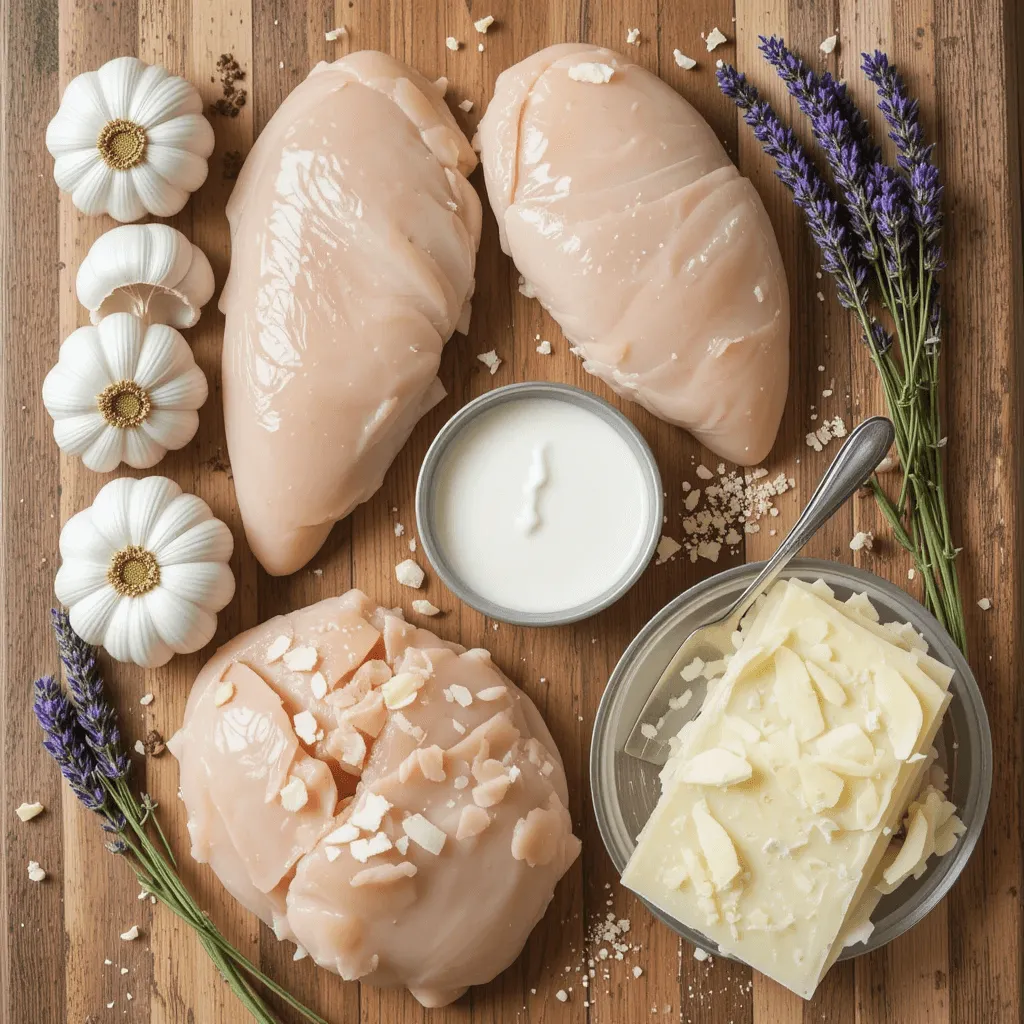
(540, 505)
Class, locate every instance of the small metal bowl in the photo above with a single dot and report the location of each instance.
(626, 789)
(425, 496)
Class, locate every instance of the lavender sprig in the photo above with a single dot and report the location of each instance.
(64, 742)
(840, 256)
(80, 732)
(95, 713)
(889, 222)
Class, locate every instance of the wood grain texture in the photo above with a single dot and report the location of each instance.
(962, 965)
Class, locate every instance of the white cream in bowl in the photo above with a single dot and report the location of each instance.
(542, 506)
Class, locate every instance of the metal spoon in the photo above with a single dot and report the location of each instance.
(864, 449)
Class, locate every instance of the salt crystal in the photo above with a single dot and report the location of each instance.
(409, 574)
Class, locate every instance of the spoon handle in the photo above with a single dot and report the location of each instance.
(864, 449)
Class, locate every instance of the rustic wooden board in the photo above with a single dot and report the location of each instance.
(963, 964)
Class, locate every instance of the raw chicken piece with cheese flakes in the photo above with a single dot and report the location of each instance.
(406, 826)
(635, 231)
(354, 235)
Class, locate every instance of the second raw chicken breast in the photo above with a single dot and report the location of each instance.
(354, 235)
(635, 231)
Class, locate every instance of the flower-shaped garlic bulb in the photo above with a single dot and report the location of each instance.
(124, 392)
(144, 571)
(129, 139)
(151, 270)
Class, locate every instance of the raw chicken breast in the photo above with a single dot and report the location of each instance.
(354, 236)
(632, 227)
(389, 801)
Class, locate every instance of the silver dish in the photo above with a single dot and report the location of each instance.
(425, 493)
(625, 789)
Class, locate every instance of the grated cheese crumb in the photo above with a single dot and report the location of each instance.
(146, 699)
(633, 37)
(335, 33)
(131, 935)
(466, 106)
(592, 72)
(715, 38)
(484, 24)
(422, 607)
(701, 954)
(35, 872)
(984, 604)
(862, 541)
(544, 348)
(223, 694)
(409, 574)
(294, 795)
(561, 995)
(828, 44)
(491, 360)
(452, 43)
(686, 63)
(667, 548)
(26, 812)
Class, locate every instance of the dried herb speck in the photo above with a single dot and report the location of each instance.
(234, 96)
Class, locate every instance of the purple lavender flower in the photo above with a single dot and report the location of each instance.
(810, 192)
(901, 114)
(839, 129)
(880, 340)
(96, 716)
(64, 742)
(889, 195)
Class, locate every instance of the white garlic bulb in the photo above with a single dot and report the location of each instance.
(144, 571)
(151, 270)
(124, 392)
(130, 138)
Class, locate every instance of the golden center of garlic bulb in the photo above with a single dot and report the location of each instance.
(133, 571)
(124, 404)
(122, 143)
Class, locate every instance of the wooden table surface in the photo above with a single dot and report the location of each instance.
(963, 963)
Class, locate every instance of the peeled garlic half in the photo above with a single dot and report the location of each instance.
(124, 392)
(151, 270)
(129, 138)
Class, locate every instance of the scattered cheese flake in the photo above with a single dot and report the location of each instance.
(401, 690)
(424, 833)
(222, 694)
(35, 872)
(343, 834)
(140, 747)
(561, 995)
(452, 43)
(370, 812)
(300, 952)
(423, 607)
(491, 360)
(277, 648)
(633, 37)
(489, 693)
(460, 694)
(318, 685)
(302, 659)
(984, 604)
(686, 63)
(704, 473)
(466, 106)
(758, 294)
(409, 574)
(648, 731)
(306, 726)
(637, 971)
(484, 24)
(828, 44)
(363, 849)
(335, 33)
(402, 845)
(146, 699)
(667, 547)
(862, 541)
(294, 795)
(399, 529)
(29, 811)
(131, 935)
(591, 71)
(544, 348)
(715, 38)
(701, 954)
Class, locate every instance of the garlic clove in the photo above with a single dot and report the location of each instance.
(210, 585)
(188, 391)
(156, 194)
(178, 165)
(151, 270)
(106, 453)
(141, 451)
(208, 541)
(182, 625)
(79, 580)
(171, 428)
(79, 539)
(147, 502)
(190, 132)
(91, 616)
(75, 435)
